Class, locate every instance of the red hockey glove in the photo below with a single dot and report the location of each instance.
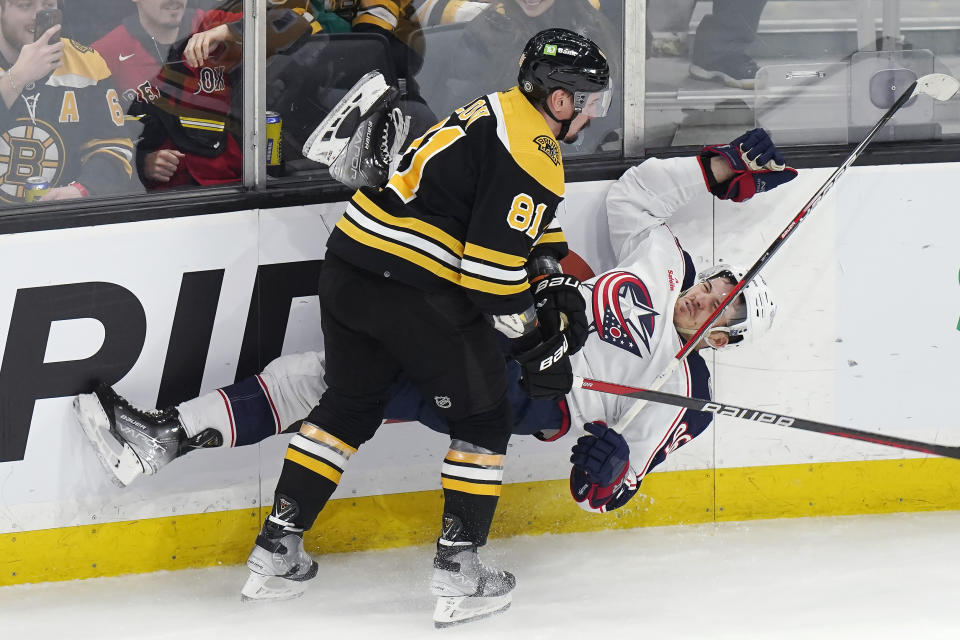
(757, 166)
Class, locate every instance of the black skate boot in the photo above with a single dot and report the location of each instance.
(279, 567)
(131, 442)
(466, 588)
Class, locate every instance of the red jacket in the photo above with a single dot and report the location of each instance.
(180, 107)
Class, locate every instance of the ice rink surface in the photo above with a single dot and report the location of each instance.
(879, 576)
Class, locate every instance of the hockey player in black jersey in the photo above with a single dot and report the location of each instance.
(419, 278)
(652, 272)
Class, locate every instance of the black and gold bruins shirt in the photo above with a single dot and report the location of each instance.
(68, 127)
(470, 201)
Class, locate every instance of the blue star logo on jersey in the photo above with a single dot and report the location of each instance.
(623, 301)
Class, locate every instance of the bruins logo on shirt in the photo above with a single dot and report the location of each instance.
(82, 48)
(549, 147)
(28, 149)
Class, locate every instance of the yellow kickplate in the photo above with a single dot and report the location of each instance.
(528, 508)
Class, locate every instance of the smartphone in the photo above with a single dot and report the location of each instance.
(46, 18)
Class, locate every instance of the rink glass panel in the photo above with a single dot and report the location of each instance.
(192, 109)
(827, 71)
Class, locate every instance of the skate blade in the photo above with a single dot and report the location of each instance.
(261, 588)
(323, 145)
(453, 610)
(117, 458)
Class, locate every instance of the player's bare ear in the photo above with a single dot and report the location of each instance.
(558, 100)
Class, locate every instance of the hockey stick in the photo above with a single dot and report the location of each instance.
(765, 417)
(938, 86)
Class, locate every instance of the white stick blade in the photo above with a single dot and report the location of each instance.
(938, 86)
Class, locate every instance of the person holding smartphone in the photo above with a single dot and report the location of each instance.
(60, 114)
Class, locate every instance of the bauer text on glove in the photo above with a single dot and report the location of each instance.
(545, 369)
(561, 308)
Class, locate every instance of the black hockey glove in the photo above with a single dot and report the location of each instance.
(546, 370)
(604, 455)
(756, 164)
(561, 308)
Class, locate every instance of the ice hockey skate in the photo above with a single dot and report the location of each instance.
(131, 442)
(279, 567)
(467, 589)
(333, 133)
(373, 151)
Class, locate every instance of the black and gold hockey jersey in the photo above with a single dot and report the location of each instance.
(471, 200)
(68, 127)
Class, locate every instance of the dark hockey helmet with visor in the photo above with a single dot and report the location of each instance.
(563, 59)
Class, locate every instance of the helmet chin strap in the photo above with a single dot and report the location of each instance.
(564, 124)
(688, 333)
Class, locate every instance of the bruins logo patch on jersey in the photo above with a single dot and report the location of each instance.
(549, 147)
(82, 48)
(28, 149)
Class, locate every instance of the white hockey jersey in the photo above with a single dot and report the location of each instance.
(632, 338)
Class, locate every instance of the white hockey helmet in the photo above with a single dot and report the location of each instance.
(754, 316)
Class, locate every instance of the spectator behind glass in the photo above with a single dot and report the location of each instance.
(189, 135)
(485, 59)
(399, 22)
(190, 109)
(60, 117)
(719, 47)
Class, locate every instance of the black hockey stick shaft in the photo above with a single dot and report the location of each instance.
(791, 227)
(766, 417)
(761, 262)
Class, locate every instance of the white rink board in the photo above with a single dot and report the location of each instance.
(869, 278)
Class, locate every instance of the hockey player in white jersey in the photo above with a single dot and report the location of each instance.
(638, 316)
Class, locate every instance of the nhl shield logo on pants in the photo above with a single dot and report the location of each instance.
(443, 401)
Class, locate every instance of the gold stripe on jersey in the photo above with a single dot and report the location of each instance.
(368, 206)
(202, 123)
(121, 145)
(478, 284)
(402, 238)
(424, 262)
(381, 13)
(520, 125)
(551, 237)
(79, 67)
(394, 8)
(375, 21)
(350, 227)
(496, 257)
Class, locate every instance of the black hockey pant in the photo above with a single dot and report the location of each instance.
(374, 328)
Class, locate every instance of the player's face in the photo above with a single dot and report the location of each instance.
(18, 18)
(534, 8)
(162, 13)
(581, 122)
(696, 305)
